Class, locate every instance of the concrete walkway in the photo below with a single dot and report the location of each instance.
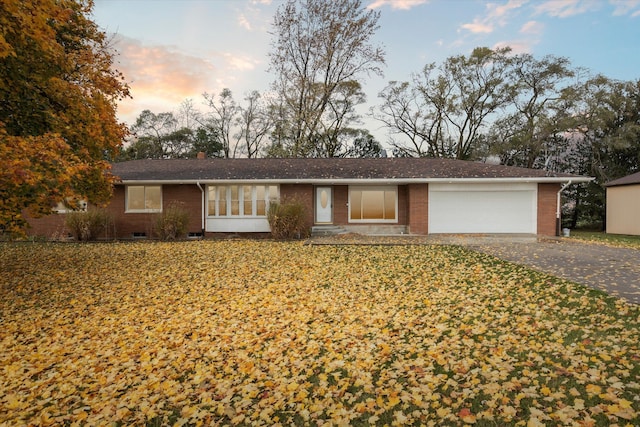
(610, 269)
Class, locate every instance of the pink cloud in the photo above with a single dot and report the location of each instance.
(517, 46)
(161, 77)
(566, 8)
(162, 70)
(497, 15)
(244, 22)
(478, 27)
(502, 10)
(533, 28)
(396, 4)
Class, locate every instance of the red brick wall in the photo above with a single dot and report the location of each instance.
(403, 205)
(128, 223)
(304, 193)
(341, 204)
(547, 201)
(49, 227)
(191, 197)
(418, 212)
(125, 224)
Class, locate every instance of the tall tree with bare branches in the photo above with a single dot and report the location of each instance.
(319, 48)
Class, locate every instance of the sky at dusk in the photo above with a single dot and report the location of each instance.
(172, 50)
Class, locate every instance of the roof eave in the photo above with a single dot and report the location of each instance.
(349, 181)
(624, 184)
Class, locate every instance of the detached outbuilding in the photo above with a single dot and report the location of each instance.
(367, 196)
(623, 205)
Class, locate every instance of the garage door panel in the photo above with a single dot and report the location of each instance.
(458, 210)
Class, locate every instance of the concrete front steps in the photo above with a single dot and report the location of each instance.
(367, 230)
(327, 230)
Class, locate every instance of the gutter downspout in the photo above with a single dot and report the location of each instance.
(558, 207)
(202, 203)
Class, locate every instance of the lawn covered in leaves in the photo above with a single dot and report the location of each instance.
(261, 333)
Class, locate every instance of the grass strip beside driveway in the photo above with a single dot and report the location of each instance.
(261, 333)
(617, 240)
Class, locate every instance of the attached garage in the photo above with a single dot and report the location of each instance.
(483, 208)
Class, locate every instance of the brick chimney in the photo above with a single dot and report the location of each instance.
(202, 155)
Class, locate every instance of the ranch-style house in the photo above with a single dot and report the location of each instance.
(369, 196)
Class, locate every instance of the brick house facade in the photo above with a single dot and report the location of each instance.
(369, 196)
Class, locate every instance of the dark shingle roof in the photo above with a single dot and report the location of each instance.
(634, 178)
(396, 169)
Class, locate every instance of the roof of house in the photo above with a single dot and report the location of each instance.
(326, 170)
(634, 178)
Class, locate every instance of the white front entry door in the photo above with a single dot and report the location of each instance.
(324, 205)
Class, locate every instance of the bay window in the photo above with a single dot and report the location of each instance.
(240, 200)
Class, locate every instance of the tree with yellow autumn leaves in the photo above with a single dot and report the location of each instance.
(58, 95)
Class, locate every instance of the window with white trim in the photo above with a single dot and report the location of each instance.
(373, 204)
(143, 198)
(240, 200)
(67, 206)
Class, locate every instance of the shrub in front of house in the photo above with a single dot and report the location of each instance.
(287, 219)
(172, 223)
(89, 225)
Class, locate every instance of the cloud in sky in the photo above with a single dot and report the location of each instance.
(244, 22)
(251, 17)
(396, 4)
(567, 8)
(626, 7)
(161, 75)
(478, 26)
(517, 46)
(217, 44)
(533, 28)
(496, 15)
(532, 32)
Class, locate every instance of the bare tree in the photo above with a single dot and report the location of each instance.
(334, 136)
(221, 118)
(188, 115)
(151, 132)
(444, 109)
(541, 98)
(318, 46)
(412, 114)
(254, 123)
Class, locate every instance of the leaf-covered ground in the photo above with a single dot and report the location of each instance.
(261, 333)
(618, 240)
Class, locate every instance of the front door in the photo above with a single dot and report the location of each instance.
(324, 205)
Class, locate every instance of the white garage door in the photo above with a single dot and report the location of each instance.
(483, 208)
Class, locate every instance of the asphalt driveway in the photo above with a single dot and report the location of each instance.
(611, 269)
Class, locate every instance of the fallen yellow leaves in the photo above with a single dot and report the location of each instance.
(264, 333)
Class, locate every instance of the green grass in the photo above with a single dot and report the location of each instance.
(618, 240)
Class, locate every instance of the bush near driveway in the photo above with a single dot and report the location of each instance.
(260, 333)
